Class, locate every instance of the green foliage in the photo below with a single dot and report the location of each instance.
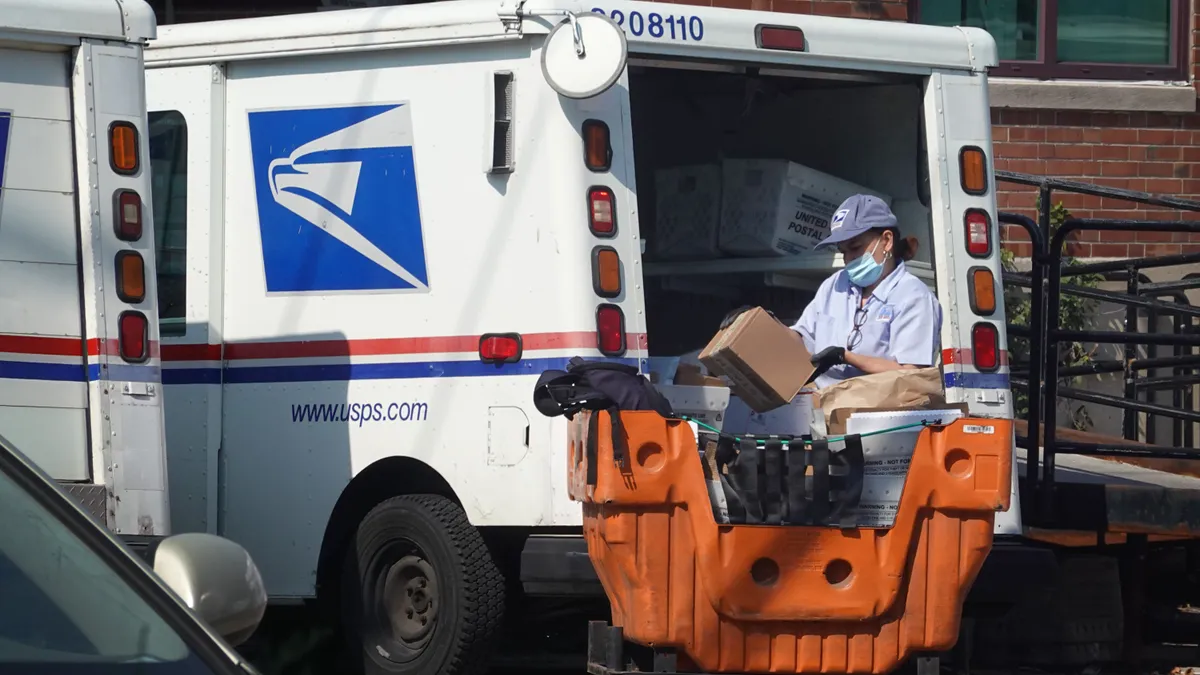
(1075, 313)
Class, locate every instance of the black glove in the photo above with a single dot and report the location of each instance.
(732, 316)
(829, 357)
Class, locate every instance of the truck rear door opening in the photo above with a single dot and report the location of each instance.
(723, 156)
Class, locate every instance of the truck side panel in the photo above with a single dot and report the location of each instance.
(956, 116)
(126, 422)
(187, 124)
(43, 390)
(339, 351)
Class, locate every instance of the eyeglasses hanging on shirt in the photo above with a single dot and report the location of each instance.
(855, 338)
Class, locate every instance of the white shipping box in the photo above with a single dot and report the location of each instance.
(687, 212)
(777, 207)
(886, 459)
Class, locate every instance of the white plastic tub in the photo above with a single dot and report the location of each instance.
(705, 404)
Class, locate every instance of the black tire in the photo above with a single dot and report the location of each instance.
(417, 557)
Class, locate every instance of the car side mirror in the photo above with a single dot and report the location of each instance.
(217, 579)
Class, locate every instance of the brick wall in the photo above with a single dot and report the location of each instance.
(894, 10)
(1148, 152)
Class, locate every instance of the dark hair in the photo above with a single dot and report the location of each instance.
(900, 246)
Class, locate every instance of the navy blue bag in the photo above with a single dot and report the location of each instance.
(598, 385)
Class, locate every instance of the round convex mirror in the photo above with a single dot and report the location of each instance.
(584, 56)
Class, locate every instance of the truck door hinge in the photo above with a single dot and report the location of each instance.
(510, 13)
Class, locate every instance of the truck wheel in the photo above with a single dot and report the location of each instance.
(421, 593)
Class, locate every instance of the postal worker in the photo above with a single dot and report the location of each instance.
(873, 315)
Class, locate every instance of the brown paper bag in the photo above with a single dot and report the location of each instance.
(916, 388)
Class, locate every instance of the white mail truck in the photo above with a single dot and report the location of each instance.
(80, 390)
(381, 225)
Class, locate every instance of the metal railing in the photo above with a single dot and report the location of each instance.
(1142, 375)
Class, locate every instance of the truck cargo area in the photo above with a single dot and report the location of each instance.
(688, 123)
(1090, 522)
(690, 129)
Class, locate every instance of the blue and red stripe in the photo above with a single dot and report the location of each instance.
(33, 346)
(227, 360)
(976, 380)
(230, 356)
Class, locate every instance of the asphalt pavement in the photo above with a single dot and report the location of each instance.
(546, 638)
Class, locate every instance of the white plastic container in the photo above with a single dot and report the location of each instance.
(687, 212)
(776, 207)
(705, 404)
(793, 419)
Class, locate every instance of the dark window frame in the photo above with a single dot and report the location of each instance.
(1046, 68)
(180, 161)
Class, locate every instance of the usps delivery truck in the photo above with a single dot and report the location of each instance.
(80, 392)
(390, 221)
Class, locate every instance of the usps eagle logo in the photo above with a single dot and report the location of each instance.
(337, 199)
(838, 219)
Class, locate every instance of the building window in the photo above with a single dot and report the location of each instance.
(168, 182)
(1075, 39)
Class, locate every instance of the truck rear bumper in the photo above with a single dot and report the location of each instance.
(144, 546)
(559, 566)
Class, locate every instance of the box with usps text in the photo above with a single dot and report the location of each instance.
(777, 207)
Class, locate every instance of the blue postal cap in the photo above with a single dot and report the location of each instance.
(856, 215)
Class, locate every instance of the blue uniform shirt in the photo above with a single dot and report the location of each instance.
(902, 321)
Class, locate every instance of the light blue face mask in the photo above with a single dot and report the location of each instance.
(865, 270)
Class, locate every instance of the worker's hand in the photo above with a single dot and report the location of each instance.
(829, 357)
(732, 316)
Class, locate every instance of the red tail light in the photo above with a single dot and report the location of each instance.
(610, 330)
(602, 212)
(979, 233)
(134, 334)
(127, 215)
(502, 348)
(985, 347)
(787, 38)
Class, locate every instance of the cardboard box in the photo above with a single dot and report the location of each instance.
(777, 207)
(689, 374)
(765, 361)
(687, 212)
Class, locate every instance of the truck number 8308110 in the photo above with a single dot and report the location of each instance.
(655, 25)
